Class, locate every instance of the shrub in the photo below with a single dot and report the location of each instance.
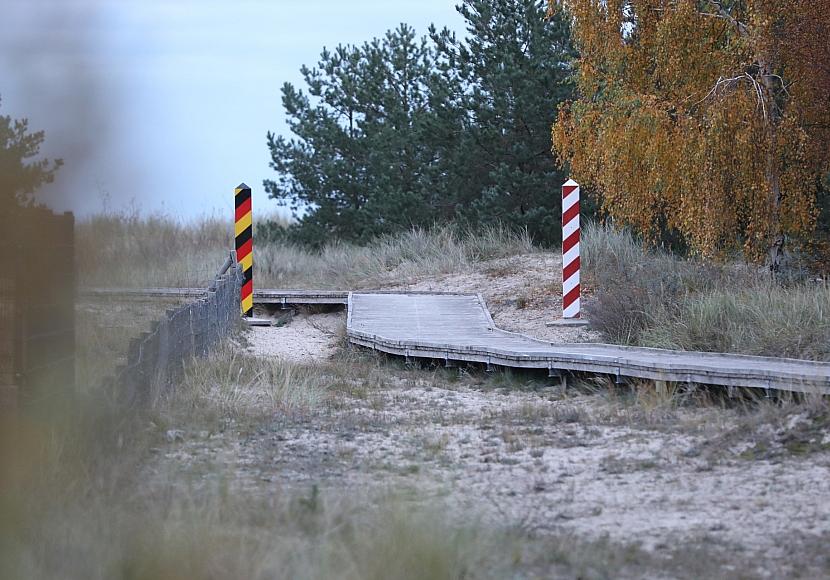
(632, 283)
(648, 297)
(769, 320)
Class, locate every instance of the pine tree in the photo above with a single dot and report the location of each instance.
(361, 163)
(515, 69)
(20, 173)
(405, 131)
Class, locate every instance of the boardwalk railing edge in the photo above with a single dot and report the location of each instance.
(619, 361)
(566, 357)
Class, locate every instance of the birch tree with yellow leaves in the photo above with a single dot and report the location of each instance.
(707, 118)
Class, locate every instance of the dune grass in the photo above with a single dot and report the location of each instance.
(636, 295)
(764, 320)
(649, 297)
(228, 385)
(218, 533)
(133, 250)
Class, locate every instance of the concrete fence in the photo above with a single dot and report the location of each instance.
(156, 359)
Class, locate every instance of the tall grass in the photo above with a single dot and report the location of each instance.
(389, 259)
(631, 282)
(229, 385)
(210, 531)
(766, 319)
(648, 297)
(133, 250)
(103, 330)
(130, 249)
(216, 533)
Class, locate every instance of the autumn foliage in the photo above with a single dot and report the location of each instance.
(704, 118)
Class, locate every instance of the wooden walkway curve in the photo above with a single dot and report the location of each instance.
(456, 327)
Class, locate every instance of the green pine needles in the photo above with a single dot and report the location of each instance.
(407, 131)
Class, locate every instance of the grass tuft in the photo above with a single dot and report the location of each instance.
(229, 385)
(648, 297)
(132, 250)
(768, 320)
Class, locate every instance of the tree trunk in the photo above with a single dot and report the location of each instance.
(773, 179)
(772, 174)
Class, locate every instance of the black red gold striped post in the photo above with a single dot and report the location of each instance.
(244, 232)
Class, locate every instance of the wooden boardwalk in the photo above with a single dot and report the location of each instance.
(283, 297)
(459, 328)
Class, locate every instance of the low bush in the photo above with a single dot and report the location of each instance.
(768, 320)
(631, 283)
(649, 297)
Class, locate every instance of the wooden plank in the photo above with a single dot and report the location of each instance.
(459, 327)
(265, 296)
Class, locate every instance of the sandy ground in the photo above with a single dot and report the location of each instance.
(523, 294)
(520, 291)
(545, 463)
(301, 338)
(653, 474)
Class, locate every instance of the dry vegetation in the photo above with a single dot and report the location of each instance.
(652, 298)
(359, 467)
(634, 296)
(104, 328)
(139, 251)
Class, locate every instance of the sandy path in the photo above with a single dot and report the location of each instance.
(306, 338)
(523, 294)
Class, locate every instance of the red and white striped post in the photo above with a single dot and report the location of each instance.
(570, 250)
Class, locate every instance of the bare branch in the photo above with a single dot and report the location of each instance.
(760, 92)
(720, 13)
(720, 82)
(726, 82)
(724, 13)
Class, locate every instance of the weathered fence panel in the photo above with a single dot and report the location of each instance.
(37, 305)
(156, 359)
(8, 384)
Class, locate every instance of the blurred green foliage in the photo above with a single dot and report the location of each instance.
(21, 173)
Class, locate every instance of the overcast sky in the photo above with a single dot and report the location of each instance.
(165, 104)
